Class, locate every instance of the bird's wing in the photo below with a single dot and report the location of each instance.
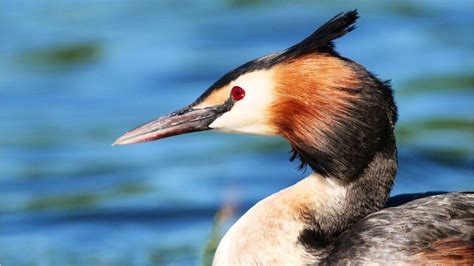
(400, 199)
(432, 230)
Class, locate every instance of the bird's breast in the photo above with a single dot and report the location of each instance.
(270, 232)
(266, 235)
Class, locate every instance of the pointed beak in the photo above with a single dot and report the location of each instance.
(186, 120)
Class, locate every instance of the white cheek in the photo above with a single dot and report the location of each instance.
(250, 115)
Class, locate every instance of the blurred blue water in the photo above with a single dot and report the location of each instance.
(74, 76)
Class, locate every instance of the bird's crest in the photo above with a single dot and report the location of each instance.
(319, 40)
(336, 27)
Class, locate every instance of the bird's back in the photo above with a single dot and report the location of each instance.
(432, 230)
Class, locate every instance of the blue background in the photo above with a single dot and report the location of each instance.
(76, 75)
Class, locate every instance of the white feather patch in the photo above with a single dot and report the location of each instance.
(267, 234)
(250, 115)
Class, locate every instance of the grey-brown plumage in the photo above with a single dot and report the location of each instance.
(432, 230)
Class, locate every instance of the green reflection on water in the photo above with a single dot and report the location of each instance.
(61, 169)
(456, 81)
(216, 233)
(86, 200)
(69, 202)
(163, 255)
(248, 2)
(406, 131)
(63, 54)
(133, 188)
(464, 128)
(407, 8)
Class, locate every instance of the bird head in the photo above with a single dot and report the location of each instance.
(333, 112)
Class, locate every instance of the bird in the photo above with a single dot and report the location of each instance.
(339, 120)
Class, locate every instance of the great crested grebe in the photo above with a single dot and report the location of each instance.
(339, 119)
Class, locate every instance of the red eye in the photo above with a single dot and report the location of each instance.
(237, 93)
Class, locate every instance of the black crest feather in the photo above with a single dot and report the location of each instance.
(336, 27)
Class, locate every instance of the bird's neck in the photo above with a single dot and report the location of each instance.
(336, 205)
(296, 225)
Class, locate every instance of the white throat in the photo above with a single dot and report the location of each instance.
(271, 228)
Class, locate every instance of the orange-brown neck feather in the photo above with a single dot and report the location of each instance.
(325, 107)
(314, 88)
